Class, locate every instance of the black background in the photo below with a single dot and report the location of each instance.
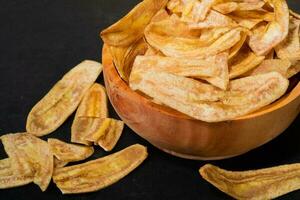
(41, 40)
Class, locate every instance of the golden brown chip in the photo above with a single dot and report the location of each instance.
(130, 28)
(36, 153)
(100, 173)
(107, 133)
(293, 70)
(195, 11)
(210, 35)
(58, 163)
(290, 47)
(190, 47)
(123, 57)
(93, 105)
(248, 23)
(267, 183)
(277, 65)
(195, 68)
(261, 42)
(250, 5)
(62, 100)
(214, 19)
(254, 14)
(243, 62)
(69, 152)
(193, 98)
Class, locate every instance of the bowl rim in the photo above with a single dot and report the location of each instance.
(281, 102)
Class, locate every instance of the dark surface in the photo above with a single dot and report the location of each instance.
(41, 40)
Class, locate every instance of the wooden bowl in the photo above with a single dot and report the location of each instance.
(182, 136)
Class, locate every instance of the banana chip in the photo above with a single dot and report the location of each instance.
(274, 33)
(69, 152)
(196, 100)
(277, 65)
(266, 183)
(12, 181)
(130, 28)
(36, 154)
(92, 107)
(195, 68)
(213, 20)
(100, 173)
(190, 47)
(290, 47)
(236, 48)
(195, 11)
(246, 22)
(123, 57)
(243, 62)
(107, 133)
(62, 100)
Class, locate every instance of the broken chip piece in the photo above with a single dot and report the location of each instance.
(100, 173)
(106, 134)
(92, 107)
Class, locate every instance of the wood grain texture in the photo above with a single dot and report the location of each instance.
(185, 137)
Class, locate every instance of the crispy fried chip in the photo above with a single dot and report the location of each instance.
(293, 70)
(195, 11)
(196, 99)
(62, 100)
(36, 153)
(246, 22)
(107, 133)
(190, 47)
(69, 152)
(236, 48)
(93, 106)
(130, 28)
(290, 47)
(214, 19)
(277, 65)
(243, 62)
(267, 183)
(100, 173)
(195, 68)
(274, 33)
(58, 163)
(123, 57)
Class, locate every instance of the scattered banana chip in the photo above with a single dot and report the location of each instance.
(266, 183)
(130, 28)
(92, 107)
(69, 152)
(243, 62)
(107, 133)
(123, 57)
(244, 95)
(62, 100)
(274, 33)
(35, 152)
(196, 11)
(278, 65)
(97, 174)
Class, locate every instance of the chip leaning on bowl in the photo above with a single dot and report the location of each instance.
(205, 79)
